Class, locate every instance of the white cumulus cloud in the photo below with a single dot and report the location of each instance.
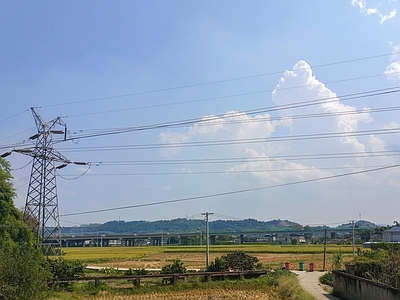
(299, 85)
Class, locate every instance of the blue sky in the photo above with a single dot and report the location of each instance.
(105, 65)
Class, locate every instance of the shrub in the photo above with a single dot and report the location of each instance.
(131, 272)
(175, 268)
(240, 261)
(61, 268)
(109, 271)
(381, 264)
(218, 265)
(327, 279)
(337, 260)
(23, 273)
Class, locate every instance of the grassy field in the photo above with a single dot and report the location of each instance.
(271, 286)
(271, 256)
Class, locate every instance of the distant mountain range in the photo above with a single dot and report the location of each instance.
(183, 225)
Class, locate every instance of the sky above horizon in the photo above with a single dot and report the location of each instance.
(246, 109)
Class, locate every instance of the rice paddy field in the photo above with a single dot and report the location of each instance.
(271, 256)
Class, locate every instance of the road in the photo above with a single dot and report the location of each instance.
(310, 282)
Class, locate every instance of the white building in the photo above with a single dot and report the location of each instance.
(392, 235)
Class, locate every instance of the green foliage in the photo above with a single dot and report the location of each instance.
(327, 279)
(23, 273)
(13, 230)
(337, 259)
(109, 271)
(218, 265)
(175, 268)
(131, 272)
(381, 264)
(240, 261)
(61, 268)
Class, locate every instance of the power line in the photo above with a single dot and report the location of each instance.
(13, 116)
(214, 82)
(230, 192)
(218, 97)
(340, 155)
(209, 122)
(220, 172)
(307, 103)
(214, 121)
(300, 137)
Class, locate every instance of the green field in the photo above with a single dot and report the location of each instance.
(271, 256)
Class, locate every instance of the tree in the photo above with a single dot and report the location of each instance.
(23, 272)
(297, 227)
(240, 261)
(308, 232)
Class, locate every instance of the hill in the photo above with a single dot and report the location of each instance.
(180, 225)
(359, 224)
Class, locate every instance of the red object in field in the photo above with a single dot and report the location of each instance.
(287, 265)
(311, 267)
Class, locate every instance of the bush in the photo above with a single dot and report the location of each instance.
(109, 271)
(61, 268)
(175, 268)
(337, 260)
(218, 265)
(327, 279)
(131, 272)
(381, 264)
(23, 273)
(240, 261)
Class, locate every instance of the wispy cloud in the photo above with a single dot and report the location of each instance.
(393, 70)
(364, 8)
(167, 188)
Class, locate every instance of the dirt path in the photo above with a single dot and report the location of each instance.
(310, 282)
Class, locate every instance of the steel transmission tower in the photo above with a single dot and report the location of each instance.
(41, 208)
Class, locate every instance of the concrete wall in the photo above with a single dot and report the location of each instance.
(350, 287)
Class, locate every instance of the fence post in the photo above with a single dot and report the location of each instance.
(136, 282)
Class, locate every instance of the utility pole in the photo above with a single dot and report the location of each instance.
(353, 242)
(325, 250)
(207, 237)
(199, 230)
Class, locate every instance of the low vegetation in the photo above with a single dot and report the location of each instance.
(381, 264)
(273, 286)
(327, 279)
(235, 261)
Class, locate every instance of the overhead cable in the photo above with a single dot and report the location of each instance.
(228, 193)
(300, 137)
(213, 82)
(307, 103)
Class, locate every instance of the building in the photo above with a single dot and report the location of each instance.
(392, 235)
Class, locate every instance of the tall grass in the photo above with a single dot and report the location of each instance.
(273, 286)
